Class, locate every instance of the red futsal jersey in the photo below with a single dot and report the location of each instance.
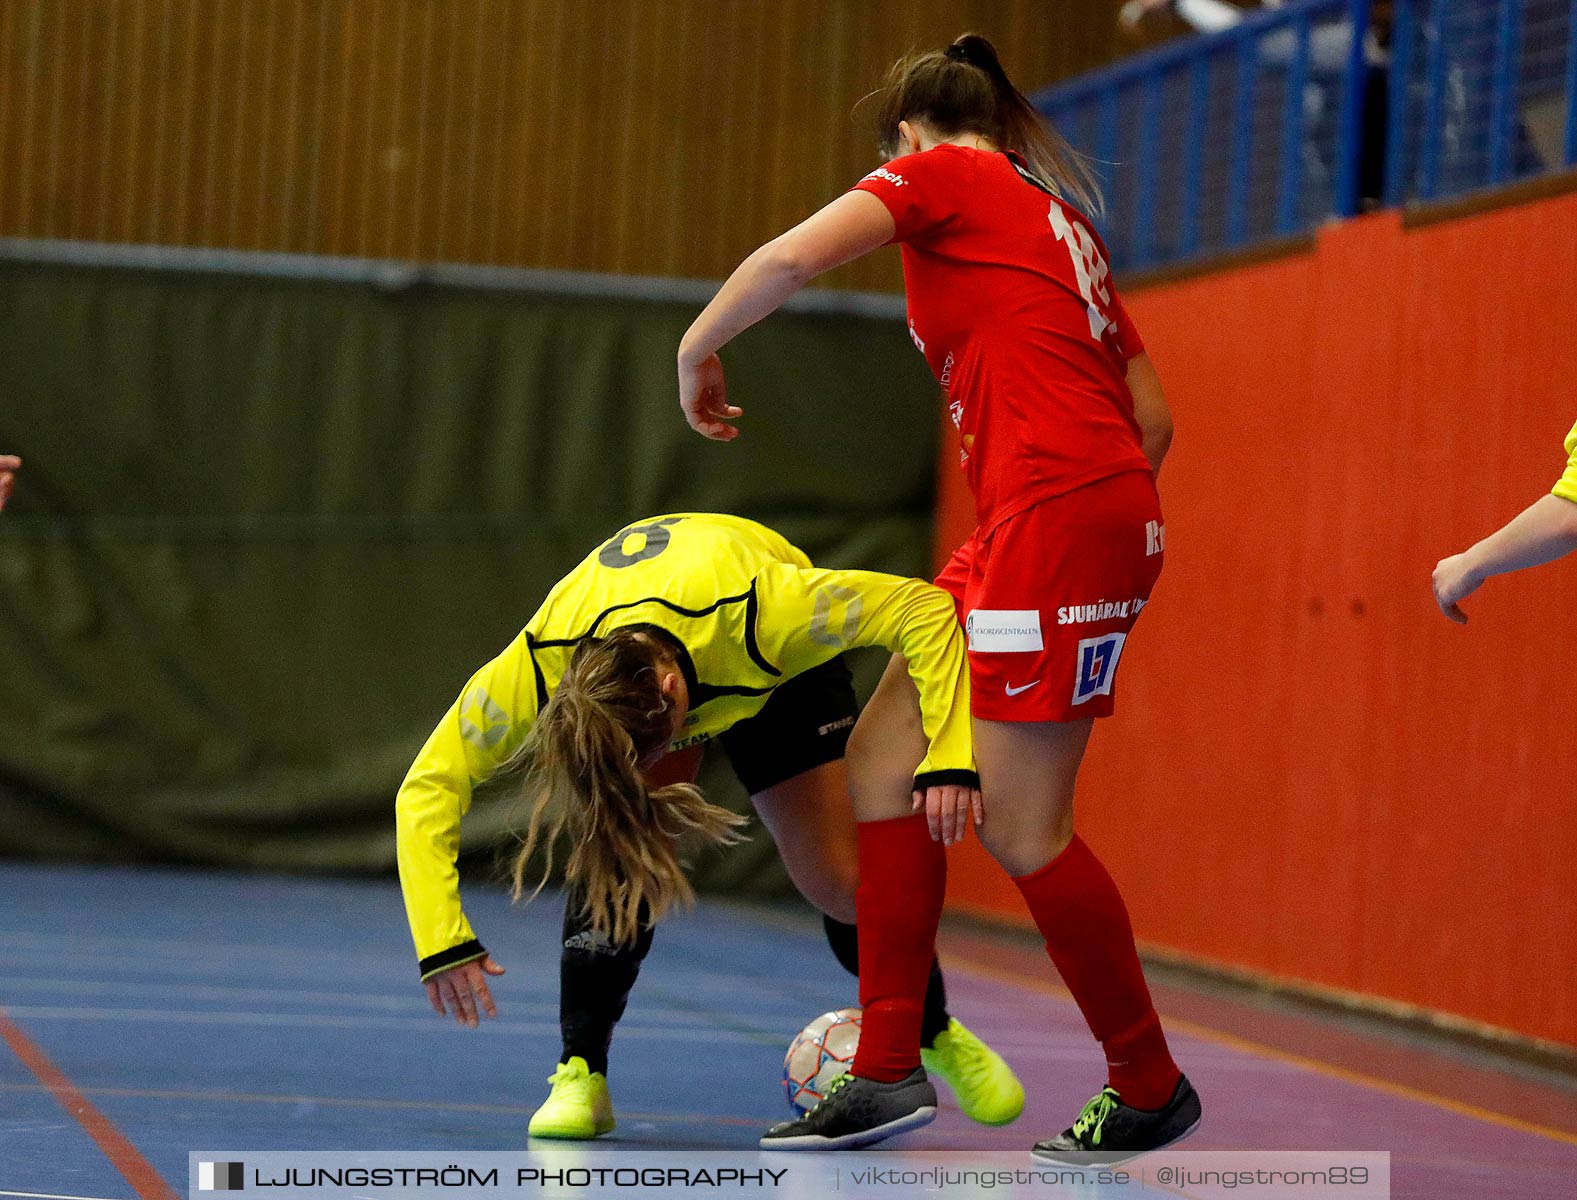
(1010, 302)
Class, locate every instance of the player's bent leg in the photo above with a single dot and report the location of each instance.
(899, 901)
(887, 744)
(1028, 771)
(980, 1079)
(903, 875)
(595, 980)
(810, 820)
(1027, 776)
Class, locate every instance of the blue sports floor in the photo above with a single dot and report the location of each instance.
(149, 1013)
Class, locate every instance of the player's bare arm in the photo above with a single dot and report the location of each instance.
(1150, 409)
(851, 226)
(1543, 532)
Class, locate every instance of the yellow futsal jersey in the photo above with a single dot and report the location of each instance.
(1566, 488)
(749, 610)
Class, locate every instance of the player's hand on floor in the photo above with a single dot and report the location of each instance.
(462, 990)
(1454, 582)
(704, 398)
(947, 811)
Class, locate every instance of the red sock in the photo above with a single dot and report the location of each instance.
(1080, 913)
(903, 874)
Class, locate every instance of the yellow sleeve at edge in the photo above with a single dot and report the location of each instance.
(481, 730)
(811, 615)
(1566, 487)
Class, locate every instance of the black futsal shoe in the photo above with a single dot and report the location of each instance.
(1114, 1131)
(858, 1112)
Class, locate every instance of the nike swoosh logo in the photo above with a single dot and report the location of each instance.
(1013, 691)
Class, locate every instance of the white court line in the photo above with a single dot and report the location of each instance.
(320, 1021)
(221, 957)
(54, 1196)
(12, 993)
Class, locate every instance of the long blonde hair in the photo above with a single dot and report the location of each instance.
(963, 89)
(582, 762)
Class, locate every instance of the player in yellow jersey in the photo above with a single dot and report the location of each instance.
(679, 630)
(1542, 532)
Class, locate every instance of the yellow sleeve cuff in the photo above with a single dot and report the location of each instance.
(1566, 489)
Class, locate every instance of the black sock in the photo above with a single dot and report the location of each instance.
(595, 978)
(845, 943)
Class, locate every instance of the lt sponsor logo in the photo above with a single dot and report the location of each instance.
(1097, 666)
(1101, 610)
(1004, 630)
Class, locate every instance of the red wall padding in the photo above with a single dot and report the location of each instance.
(1313, 774)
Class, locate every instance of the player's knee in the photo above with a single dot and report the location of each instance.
(1023, 849)
(859, 754)
(879, 784)
(831, 885)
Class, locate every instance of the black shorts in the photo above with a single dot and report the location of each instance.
(804, 724)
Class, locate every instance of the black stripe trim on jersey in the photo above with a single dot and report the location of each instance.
(1029, 176)
(463, 953)
(753, 647)
(711, 691)
(536, 668)
(668, 604)
(931, 779)
(700, 692)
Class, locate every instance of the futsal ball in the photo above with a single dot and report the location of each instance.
(823, 1050)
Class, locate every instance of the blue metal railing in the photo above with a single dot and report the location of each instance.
(1482, 94)
(1304, 113)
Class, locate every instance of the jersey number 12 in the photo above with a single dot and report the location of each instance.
(1088, 266)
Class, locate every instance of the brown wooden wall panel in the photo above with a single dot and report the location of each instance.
(643, 136)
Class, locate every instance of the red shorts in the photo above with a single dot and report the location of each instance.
(1049, 597)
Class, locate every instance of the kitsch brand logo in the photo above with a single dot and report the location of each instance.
(891, 177)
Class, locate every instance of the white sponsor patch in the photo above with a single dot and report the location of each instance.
(1004, 630)
(1096, 669)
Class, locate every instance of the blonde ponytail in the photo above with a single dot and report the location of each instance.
(582, 777)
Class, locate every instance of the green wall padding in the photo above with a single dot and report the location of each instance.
(267, 528)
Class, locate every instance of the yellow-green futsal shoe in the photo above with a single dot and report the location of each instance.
(983, 1084)
(578, 1107)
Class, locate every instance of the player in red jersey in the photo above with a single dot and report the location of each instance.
(1064, 425)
